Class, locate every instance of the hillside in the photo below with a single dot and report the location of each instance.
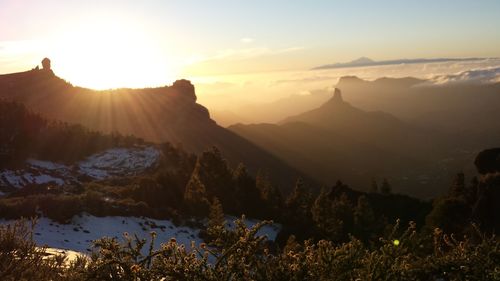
(339, 141)
(465, 108)
(161, 114)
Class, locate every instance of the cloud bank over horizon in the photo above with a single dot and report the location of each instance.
(228, 92)
(476, 76)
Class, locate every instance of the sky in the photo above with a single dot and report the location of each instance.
(110, 44)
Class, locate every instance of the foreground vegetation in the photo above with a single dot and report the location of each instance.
(336, 234)
(404, 254)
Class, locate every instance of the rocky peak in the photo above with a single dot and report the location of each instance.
(185, 89)
(46, 64)
(337, 96)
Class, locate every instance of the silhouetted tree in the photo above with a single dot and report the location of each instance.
(343, 217)
(457, 188)
(364, 219)
(211, 178)
(374, 186)
(247, 194)
(321, 212)
(386, 188)
(298, 202)
(269, 194)
(452, 215)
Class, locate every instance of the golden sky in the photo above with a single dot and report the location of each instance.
(109, 44)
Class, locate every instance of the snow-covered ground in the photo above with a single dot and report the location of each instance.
(107, 164)
(83, 229)
(119, 162)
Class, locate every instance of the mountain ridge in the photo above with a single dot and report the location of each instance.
(168, 113)
(339, 141)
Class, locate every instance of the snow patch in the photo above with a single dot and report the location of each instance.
(83, 229)
(119, 161)
(22, 178)
(110, 163)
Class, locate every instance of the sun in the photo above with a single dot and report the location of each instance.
(111, 54)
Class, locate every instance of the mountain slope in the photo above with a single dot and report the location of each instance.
(467, 112)
(161, 114)
(339, 141)
(378, 128)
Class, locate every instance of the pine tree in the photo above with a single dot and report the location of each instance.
(450, 214)
(211, 177)
(472, 191)
(343, 217)
(247, 194)
(216, 223)
(374, 186)
(299, 202)
(321, 212)
(263, 184)
(457, 188)
(386, 188)
(364, 218)
(270, 196)
(195, 196)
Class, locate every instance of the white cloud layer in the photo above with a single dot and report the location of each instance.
(476, 76)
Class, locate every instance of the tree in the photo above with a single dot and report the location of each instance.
(472, 191)
(216, 223)
(364, 219)
(270, 196)
(386, 188)
(321, 212)
(343, 218)
(298, 203)
(211, 178)
(457, 188)
(451, 215)
(195, 196)
(247, 195)
(374, 186)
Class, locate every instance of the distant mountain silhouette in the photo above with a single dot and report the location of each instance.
(438, 128)
(272, 112)
(339, 141)
(467, 110)
(167, 113)
(364, 61)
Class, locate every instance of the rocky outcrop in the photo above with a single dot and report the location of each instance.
(337, 96)
(46, 64)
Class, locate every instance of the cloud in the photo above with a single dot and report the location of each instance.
(247, 40)
(245, 53)
(476, 76)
